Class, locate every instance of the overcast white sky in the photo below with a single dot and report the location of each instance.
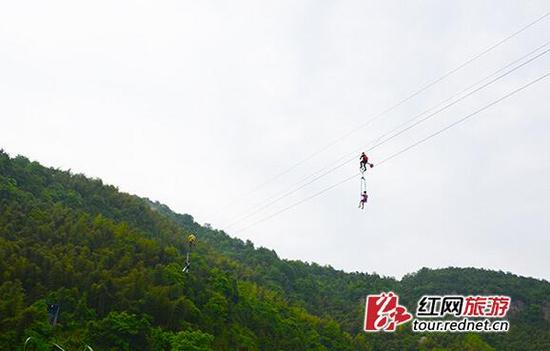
(194, 103)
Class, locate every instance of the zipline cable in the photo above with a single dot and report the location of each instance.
(363, 148)
(391, 108)
(368, 145)
(506, 96)
(353, 158)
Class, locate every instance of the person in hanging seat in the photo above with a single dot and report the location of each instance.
(363, 162)
(363, 201)
(191, 239)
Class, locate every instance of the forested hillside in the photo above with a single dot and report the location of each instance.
(113, 261)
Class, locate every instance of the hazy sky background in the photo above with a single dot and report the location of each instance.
(194, 103)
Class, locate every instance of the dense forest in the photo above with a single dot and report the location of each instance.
(113, 262)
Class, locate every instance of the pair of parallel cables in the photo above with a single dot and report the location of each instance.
(407, 125)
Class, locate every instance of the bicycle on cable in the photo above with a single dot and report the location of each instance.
(363, 162)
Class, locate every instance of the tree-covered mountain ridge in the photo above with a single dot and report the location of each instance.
(113, 262)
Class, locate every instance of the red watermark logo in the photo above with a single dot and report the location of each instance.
(384, 313)
(438, 313)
